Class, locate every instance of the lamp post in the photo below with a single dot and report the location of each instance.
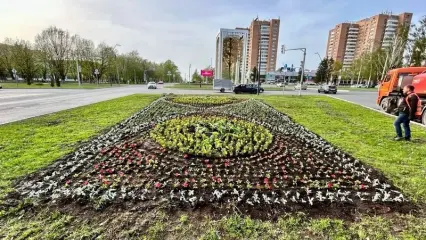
(116, 64)
(189, 74)
(319, 56)
(283, 50)
(320, 63)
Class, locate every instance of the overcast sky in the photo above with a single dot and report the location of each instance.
(185, 30)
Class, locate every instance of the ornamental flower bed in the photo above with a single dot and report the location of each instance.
(243, 154)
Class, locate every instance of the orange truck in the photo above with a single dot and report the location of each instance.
(390, 89)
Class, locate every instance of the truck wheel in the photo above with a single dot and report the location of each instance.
(222, 90)
(385, 105)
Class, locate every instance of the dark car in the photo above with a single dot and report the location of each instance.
(327, 88)
(247, 88)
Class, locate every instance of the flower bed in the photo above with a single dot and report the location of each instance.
(212, 136)
(204, 101)
(173, 153)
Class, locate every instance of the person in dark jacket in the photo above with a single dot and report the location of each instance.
(407, 109)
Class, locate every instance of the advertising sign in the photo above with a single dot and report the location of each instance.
(207, 73)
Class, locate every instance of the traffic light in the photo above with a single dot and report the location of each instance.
(282, 49)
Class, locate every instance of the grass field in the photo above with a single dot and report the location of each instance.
(31, 144)
(67, 85)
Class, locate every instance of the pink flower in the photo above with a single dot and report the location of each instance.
(185, 184)
(265, 180)
(329, 185)
(209, 166)
(121, 173)
(177, 174)
(157, 185)
(85, 183)
(68, 182)
(96, 166)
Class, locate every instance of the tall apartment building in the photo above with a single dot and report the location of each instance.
(347, 41)
(265, 34)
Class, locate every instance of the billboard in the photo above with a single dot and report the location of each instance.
(207, 73)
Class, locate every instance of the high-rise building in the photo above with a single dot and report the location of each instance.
(347, 41)
(265, 34)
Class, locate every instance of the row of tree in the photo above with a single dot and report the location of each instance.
(56, 55)
(406, 48)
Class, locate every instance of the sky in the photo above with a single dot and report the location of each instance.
(184, 31)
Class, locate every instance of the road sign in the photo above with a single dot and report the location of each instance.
(207, 73)
(96, 71)
(14, 71)
(282, 49)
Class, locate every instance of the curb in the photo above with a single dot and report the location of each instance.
(384, 113)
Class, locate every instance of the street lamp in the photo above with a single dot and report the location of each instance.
(320, 62)
(319, 56)
(116, 64)
(283, 50)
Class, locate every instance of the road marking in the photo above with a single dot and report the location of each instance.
(416, 123)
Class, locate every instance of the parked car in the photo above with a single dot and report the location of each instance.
(281, 84)
(326, 88)
(359, 86)
(152, 85)
(304, 87)
(160, 82)
(247, 88)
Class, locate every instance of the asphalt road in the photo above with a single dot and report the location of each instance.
(18, 104)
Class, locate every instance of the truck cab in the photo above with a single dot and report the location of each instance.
(390, 88)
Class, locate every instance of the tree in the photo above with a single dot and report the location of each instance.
(56, 44)
(418, 43)
(6, 56)
(231, 52)
(196, 77)
(330, 66)
(336, 70)
(254, 75)
(25, 60)
(321, 74)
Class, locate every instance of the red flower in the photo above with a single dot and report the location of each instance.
(329, 185)
(219, 180)
(109, 170)
(209, 166)
(177, 174)
(214, 178)
(265, 180)
(106, 182)
(227, 163)
(68, 182)
(362, 186)
(157, 185)
(185, 184)
(333, 176)
(85, 183)
(186, 156)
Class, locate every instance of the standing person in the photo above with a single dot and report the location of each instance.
(407, 108)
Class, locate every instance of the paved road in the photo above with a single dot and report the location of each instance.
(18, 104)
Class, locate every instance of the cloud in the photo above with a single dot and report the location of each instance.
(183, 31)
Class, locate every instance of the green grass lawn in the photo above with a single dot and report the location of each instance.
(31, 144)
(67, 85)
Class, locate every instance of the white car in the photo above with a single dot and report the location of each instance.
(280, 84)
(152, 85)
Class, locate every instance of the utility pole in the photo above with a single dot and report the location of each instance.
(189, 74)
(283, 50)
